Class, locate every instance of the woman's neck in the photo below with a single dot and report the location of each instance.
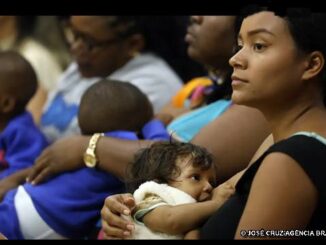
(310, 117)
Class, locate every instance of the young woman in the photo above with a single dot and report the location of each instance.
(280, 69)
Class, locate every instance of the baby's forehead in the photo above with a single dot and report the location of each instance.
(189, 163)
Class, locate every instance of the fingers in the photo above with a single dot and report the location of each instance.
(128, 200)
(37, 168)
(43, 175)
(113, 225)
(114, 232)
(116, 204)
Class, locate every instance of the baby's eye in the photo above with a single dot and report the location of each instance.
(195, 177)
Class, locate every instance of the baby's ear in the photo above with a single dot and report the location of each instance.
(314, 65)
(7, 103)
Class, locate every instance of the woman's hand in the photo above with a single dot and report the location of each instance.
(114, 225)
(64, 155)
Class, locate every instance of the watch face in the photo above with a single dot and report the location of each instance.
(89, 160)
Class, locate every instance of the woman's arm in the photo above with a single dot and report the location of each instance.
(277, 200)
(36, 104)
(67, 154)
(13, 181)
(232, 138)
(2, 237)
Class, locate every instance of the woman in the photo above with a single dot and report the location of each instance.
(280, 70)
(116, 47)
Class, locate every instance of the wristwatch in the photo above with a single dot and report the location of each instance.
(89, 157)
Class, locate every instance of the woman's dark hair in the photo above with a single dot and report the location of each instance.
(308, 30)
(26, 26)
(164, 36)
(158, 162)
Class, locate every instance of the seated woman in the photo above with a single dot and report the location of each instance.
(282, 73)
(115, 47)
(201, 100)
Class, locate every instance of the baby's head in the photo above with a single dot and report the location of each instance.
(110, 105)
(185, 166)
(18, 83)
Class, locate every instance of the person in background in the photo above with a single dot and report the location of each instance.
(21, 142)
(18, 33)
(116, 47)
(211, 42)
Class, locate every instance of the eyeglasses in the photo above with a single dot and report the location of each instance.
(90, 43)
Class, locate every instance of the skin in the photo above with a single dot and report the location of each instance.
(208, 33)
(276, 199)
(196, 182)
(102, 60)
(210, 42)
(2, 237)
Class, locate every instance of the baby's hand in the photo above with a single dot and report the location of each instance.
(222, 193)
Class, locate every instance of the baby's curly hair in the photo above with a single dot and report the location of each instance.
(158, 162)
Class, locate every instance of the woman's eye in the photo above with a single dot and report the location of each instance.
(259, 47)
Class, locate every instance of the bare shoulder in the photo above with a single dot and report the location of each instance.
(277, 200)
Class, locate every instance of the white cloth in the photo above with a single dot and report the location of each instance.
(146, 71)
(170, 195)
(32, 226)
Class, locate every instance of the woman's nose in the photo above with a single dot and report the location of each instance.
(238, 60)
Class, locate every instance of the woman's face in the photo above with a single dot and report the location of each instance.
(267, 68)
(211, 40)
(96, 48)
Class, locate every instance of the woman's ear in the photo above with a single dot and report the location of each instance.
(314, 64)
(136, 44)
(7, 104)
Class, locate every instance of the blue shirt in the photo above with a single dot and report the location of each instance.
(185, 127)
(70, 203)
(21, 142)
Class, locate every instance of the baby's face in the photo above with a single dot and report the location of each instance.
(196, 182)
